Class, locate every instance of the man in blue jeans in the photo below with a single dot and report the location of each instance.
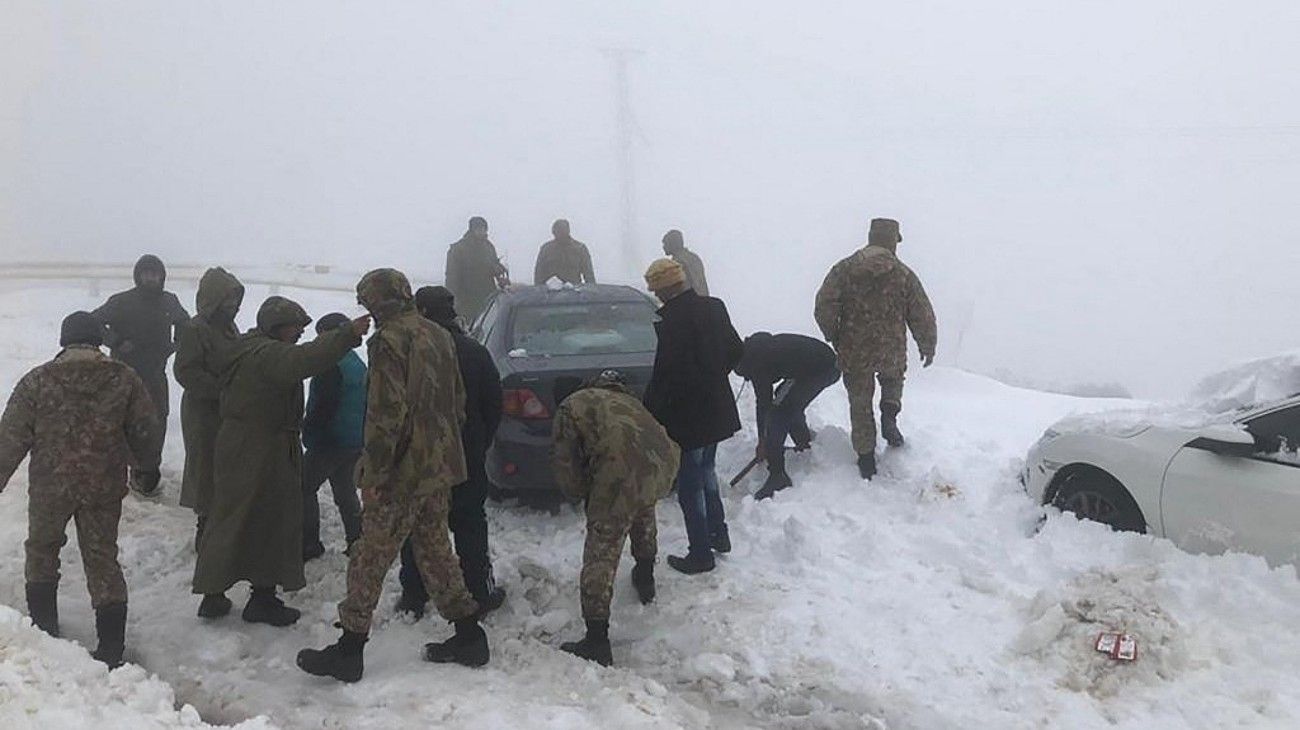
(690, 394)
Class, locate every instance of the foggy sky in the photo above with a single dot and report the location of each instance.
(1090, 191)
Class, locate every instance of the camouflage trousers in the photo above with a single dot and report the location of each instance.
(47, 525)
(384, 527)
(861, 385)
(602, 551)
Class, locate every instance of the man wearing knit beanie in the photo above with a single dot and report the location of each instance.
(83, 417)
(690, 394)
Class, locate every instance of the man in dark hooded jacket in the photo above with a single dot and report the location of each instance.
(198, 344)
(564, 258)
(254, 528)
(474, 270)
(467, 519)
(803, 367)
(139, 326)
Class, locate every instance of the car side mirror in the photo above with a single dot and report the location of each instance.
(1224, 440)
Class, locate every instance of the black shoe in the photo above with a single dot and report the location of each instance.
(110, 626)
(692, 564)
(311, 552)
(215, 605)
(43, 606)
(889, 428)
(867, 465)
(264, 607)
(411, 604)
(468, 647)
(147, 484)
(494, 599)
(643, 580)
(594, 647)
(776, 481)
(721, 541)
(343, 660)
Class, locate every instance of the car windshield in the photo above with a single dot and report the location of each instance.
(596, 328)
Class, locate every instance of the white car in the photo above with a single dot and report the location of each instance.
(1229, 484)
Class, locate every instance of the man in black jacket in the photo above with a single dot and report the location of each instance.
(140, 325)
(690, 394)
(467, 520)
(804, 367)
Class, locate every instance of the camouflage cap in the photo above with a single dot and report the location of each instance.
(884, 230)
(607, 377)
(385, 292)
(278, 311)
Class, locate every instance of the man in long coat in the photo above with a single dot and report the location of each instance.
(254, 529)
(474, 270)
(198, 343)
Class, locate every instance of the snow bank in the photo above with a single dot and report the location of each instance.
(1250, 384)
(48, 683)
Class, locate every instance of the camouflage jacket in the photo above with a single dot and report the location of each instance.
(611, 452)
(569, 261)
(414, 411)
(83, 417)
(865, 307)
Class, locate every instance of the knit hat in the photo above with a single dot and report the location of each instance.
(664, 274)
(436, 303)
(81, 328)
(884, 231)
(331, 322)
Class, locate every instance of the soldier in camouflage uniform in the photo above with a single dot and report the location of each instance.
(413, 456)
(83, 417)
(864, 308)
(474, 270)
(612, 454)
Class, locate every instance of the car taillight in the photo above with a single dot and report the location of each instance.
(524, 404)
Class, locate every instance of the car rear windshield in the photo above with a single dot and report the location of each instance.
(584, 329)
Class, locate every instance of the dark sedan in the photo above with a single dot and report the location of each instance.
(536, 335)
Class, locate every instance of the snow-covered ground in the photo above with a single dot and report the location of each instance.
(928, 598)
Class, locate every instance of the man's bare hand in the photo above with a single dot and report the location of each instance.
(361, 325)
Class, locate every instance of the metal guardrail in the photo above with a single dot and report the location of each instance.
(275, 277)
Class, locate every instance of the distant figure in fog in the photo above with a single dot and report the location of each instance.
(564, 258)
(474, 270)
(140, 326)
(864, 308)
(675, 246)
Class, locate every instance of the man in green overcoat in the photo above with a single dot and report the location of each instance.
(197, 343)
(254, 522)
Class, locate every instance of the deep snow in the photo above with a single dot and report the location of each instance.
(928, 598)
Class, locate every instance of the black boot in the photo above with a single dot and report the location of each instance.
(643, 580)
(490, 601)
(889, 425)
(264, 607)
(43, 606)
(692, 563)
(412, 604)
(313, 551)
(147, 484)
(867, 465)
(343, 660)
(777, 480)
(214, 605)
(468, 647)
(721, 541)
(594, 647)
(110, 625)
